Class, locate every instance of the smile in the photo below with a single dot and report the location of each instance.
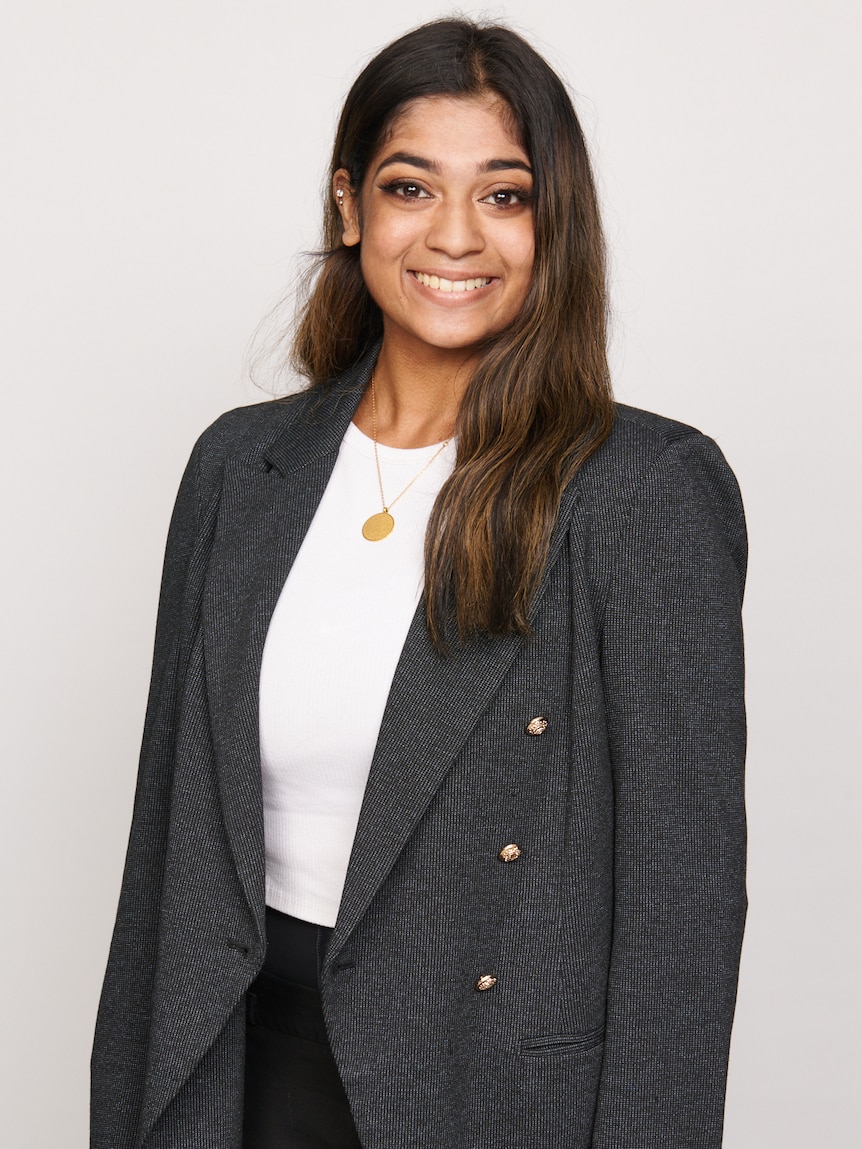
(438, 283)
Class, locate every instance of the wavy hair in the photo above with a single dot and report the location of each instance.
(539, 402)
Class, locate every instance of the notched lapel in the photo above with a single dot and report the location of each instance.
(268, 502)
(433, 705)
(266, 508)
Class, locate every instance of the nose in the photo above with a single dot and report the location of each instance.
(455, 229)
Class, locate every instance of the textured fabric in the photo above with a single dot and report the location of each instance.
(614, 937)
(331, 650)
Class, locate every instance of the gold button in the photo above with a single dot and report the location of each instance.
(486, 981)
(537, 725)
(510, 853)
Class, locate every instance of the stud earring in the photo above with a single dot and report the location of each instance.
(339, 195)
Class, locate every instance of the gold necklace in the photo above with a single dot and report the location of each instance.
(378, 526)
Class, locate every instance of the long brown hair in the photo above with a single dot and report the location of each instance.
(539, 402)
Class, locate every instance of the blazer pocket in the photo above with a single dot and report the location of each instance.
(559, 1043)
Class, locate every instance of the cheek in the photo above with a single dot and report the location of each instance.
(523, 260)
(518, 248)
(387, 233)
(382, 250)
(528, 251)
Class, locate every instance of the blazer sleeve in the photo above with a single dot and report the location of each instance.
(122, 1025)
(673, 680)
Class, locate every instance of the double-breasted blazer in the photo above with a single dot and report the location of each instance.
(613, 937)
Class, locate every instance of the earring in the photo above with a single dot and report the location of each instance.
(339, 195)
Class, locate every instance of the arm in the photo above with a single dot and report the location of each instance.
(122, 1026)
(673, 677)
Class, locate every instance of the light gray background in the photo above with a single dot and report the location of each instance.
(162, 166)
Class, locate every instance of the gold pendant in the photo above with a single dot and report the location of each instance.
(378, 526)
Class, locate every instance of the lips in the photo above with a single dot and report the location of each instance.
(440, 283)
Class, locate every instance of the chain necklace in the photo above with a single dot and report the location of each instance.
(378, 526)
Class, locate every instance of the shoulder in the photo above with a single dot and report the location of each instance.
(642, 445)
(637, 440)
(249, 434)
(652, 470)
(250, 429)
(279, 431)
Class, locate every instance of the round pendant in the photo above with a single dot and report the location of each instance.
(378, 526)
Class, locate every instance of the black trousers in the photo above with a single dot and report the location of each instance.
(294, 1098)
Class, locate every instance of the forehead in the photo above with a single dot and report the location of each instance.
(485, 121)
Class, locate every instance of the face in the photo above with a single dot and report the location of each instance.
(444, 220)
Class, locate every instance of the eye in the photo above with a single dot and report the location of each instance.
(405, 189)
(508, 197)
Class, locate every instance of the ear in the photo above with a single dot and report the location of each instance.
(348, 207)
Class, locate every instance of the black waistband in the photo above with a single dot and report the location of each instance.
(294, 948)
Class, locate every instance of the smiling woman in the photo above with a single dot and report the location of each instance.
(445, 222)
(439, 833)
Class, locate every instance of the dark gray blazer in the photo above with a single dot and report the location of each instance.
(614, 937)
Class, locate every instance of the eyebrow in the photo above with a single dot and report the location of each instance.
(501, 165)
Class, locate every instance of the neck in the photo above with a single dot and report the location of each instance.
(417, 400)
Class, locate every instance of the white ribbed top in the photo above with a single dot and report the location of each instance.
(331, 650)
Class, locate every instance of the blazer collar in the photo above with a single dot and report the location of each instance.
(326, 413)
(269, 492)
(269, 495)
(268, 501)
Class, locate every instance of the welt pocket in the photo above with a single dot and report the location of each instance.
(553, 1043)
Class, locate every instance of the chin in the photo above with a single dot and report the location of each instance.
(459, 340)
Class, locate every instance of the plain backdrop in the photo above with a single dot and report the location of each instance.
(162, 166)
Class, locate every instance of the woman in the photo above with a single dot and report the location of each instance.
(439, 834)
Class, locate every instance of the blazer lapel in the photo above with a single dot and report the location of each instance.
(268, 501)
(433, 705)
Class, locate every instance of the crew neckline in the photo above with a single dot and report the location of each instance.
(364, 443)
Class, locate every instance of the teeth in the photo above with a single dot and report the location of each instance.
(438, 283)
